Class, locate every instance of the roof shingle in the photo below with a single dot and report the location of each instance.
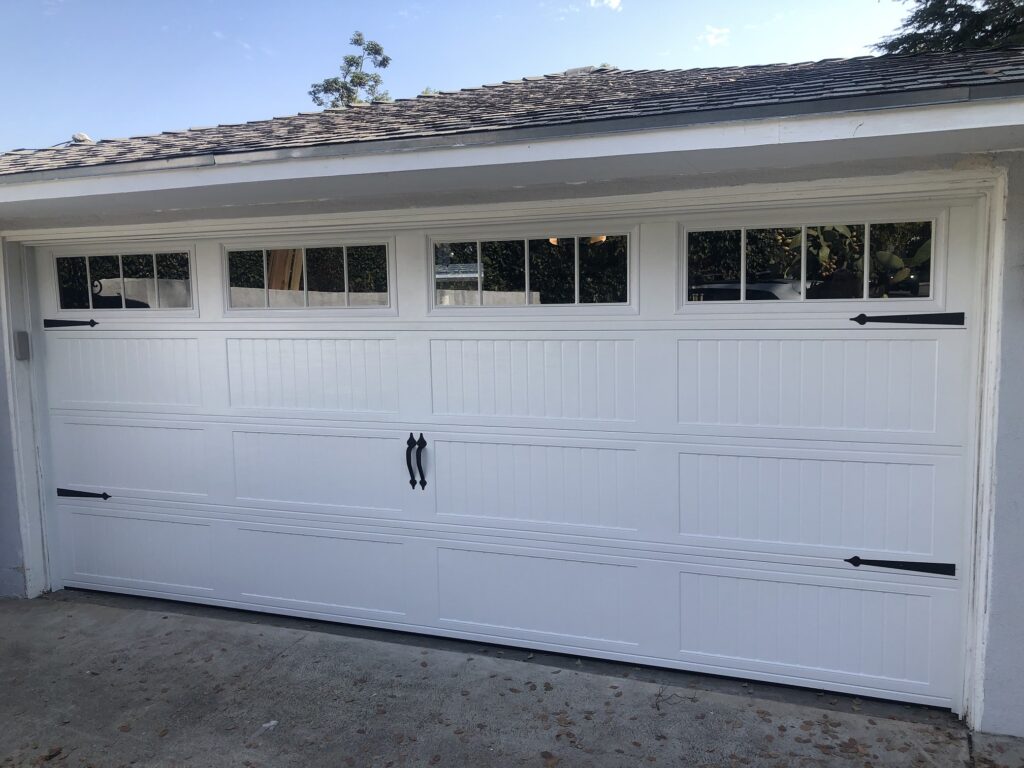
(568, 98)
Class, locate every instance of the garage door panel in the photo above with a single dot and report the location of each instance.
(347, 473)
(145, 460)
(551, 597)
(543, 482)
(113, 371)
(823, 382)
(879, 634)
(122, 548)
(313, 374)
(320, 570)
(548, 379)
(878, 502)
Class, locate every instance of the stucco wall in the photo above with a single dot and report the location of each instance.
(1003, 710)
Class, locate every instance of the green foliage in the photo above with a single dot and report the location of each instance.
(950, 25)
(355, 85)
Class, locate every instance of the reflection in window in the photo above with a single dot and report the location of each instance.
(295, 278)
(246, 281)
(503, 264)
(107, 288)
(543, 270)
(773, 264)
(367, 275)
(835, 261)
(900, 257)
(456, 274)
(284, 278)
(604, 269)
(553, 271)
(130, 281)
(139, 280)
(173, 281)
(73, 283)
(325, 277)
(713, 265)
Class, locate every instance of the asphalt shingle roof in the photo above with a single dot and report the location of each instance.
(573, 97)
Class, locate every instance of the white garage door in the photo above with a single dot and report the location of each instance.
(667, 453)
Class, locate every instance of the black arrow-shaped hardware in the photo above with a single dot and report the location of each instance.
(925, 318)
(68, 323)
(420, 445)
(942, 569)
(82, 494)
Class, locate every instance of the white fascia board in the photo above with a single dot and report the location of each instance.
(252, 167)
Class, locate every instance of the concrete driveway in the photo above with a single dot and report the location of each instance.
(102, 680)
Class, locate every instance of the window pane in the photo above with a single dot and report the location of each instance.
(504, 272)
(773, 264)
(901, 260)
(245, 278)
(139, 282)
(107, 288)
(553, 271)
(284, 277)
(604, 269)
(73, 283)
(174, 283)
(455, 274)
(713, 265)
(835, 261)
(325, 273)
(368, 275)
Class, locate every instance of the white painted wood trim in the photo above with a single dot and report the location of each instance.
(15, 309)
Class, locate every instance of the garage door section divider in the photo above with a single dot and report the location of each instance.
(942, 569)
(930, 318)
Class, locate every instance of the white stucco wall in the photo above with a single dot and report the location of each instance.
(12, 574)
(1003, 710)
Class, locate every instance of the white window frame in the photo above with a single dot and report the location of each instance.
(272, 243)
(524, 232)
(118, 248)
(812, 217)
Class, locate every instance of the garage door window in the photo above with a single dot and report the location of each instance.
(125, 281)
(297, 278)
(577, 270)
(813, 263)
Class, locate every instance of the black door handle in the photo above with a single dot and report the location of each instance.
(409, 445)
(942, 569)
(420, 445)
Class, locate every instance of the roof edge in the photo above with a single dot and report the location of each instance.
(565, 130)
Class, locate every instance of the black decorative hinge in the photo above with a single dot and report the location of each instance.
(68, 323)
(82, 494)
(942, 569)
(925, 318)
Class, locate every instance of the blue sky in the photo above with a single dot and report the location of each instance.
(116, 68)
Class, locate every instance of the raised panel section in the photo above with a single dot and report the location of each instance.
(314, 374)
(807, 626)
(106, 371)
(558, 484)
(853, 500)
(883, 384)
(550, 597)
(131, 459)
(325, 571)
(147, 553)
(592, 379)
(343, 471)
